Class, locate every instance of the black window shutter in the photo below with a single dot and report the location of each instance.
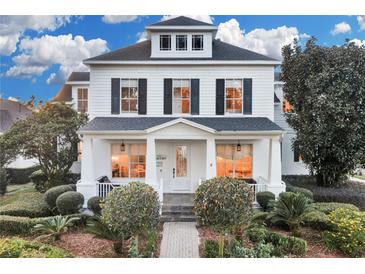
(115, 96)
(247, 96)
(195, 96)
(219, 97)
(167, 94)
(142, 96)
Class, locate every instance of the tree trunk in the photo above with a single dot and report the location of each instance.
(118, 247)
(221, 245)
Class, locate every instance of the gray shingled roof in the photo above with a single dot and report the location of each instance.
(181, 21)
(78, 76)
(10, 112)
(221, 52)
(216, 123)
(65, 93)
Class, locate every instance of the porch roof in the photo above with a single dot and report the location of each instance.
(216, 124)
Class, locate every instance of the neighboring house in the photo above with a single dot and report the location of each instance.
(292, 163)
(176, 109)
(10, 112)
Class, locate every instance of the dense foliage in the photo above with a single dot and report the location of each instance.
(306, 192)
(326, 87)
(55, 226)
(39, 179)
(263, 198)
(20, 175)
(50, 136)
(132, 210)
(20, 248)
(4, 180)
(53, 193)
(347, 231)
(94, 204)
(69, 202)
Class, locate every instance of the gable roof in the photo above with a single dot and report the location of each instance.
(219, 124)
(65, 93)
(10, 112)
(79, 76)
(181, 21)
(221, 51)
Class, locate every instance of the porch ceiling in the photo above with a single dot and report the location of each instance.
(215, 124)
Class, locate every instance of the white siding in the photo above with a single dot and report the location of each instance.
(100, 86)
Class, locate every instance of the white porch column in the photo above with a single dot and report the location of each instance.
(87, 186)
(151, 174)
(274, 168)
(210, 159)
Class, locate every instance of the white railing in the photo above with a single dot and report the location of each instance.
(160, 193)
(102, 189)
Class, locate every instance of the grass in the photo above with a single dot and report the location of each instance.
(362, 177)
(16, 192)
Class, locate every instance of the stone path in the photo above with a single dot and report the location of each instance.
(179, 240)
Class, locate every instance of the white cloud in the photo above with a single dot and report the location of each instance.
(342, 27)
(361, 21)
(116, 19)
(39, 54)
(358, 42)
(10, 98)
(142, 36)
(267, 42)
(12, 28)
(205, 18)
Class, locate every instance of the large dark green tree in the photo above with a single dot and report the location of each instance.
(326, 87)
(50, 136)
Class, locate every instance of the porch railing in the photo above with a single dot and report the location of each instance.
(102, 189)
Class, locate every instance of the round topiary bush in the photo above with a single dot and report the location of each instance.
(38, 178)
(132, 210)
(306, 192)
(224, 204)
(73, 186)
(69, 202)
(94, 204)
(264, 197)
(52, 194)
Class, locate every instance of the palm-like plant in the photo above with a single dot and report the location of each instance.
(55, 226)
(289, 209)
(99, 228)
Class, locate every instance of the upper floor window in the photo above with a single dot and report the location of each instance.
(181, 96)
(165, 42)
(287, 107)
(129, 90)
(233, 95)
(82, 97)
(129, 163)
(181, 42)
(197, 42)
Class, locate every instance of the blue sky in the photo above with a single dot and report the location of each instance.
(37, 53)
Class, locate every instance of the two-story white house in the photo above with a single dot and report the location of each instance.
(176, 109)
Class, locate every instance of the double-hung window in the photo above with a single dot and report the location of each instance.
(197, 42)
(82, 96)
(233, 95)
(181, 96)
(130, 163)
(129, 95)
(165, 42)
(181, 42)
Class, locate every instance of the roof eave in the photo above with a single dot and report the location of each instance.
(193, 28)
(77, 82)
(184, 62)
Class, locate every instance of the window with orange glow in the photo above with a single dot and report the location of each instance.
(181, 96)
(287, 107)
(130, 163)
(233, 94)
(82, 95)
(233, 163)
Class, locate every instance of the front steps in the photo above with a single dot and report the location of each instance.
(177, 213)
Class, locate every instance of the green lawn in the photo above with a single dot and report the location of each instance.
(16, 192)
(362, 177)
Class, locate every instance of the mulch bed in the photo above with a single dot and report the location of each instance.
(316, 247)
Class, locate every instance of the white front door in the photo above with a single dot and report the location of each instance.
(181, 167)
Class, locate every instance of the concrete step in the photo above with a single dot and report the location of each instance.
(177, 208)
(177, 218)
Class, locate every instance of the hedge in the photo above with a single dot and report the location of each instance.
(327, 208)
(31, 205)
(316, 219)
(20, 175)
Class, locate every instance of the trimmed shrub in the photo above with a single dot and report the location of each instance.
(264, 197)
(94, 204)
(132, 210)
(211, 248)
(306, 192)
(316, 219)
(3, 180)
(347, 231)
(39, 180)
(73, 186)
(264, 250)
(257, 234)
(286, 245)
(20, 175)
(52, 194)
(19, 248)
(327, 208)
(238, 251)
(69, 202)
(31, 205)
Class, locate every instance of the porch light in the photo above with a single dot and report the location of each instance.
(122, 146)
(238, 147)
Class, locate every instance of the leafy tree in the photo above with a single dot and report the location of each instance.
(326, 87)
(7, 154)
(50, 136)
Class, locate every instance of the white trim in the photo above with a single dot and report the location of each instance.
(77, 83)
(180, 120)
(184, 62)
(166, 27)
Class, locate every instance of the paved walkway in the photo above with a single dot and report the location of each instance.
(179, 240)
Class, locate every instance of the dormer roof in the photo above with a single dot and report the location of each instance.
(181, 21)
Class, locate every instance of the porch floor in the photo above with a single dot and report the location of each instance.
(178, 199)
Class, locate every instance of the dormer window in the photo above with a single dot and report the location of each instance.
(197, 42)
(181, 42)
(165, 42)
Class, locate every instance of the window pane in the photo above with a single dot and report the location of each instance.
(185, 92)
(133, 92)
(125, 105)
(133, 83)
(177, 106)
(177, 93)
(133, 105)
(185, 106)
(181, 161)
(125, 83)
(125, 92)
(238, 93)
(229, 106)
(181, 42)
(85, 94)
(197, 42)
(229, 92)
(165, 42)
(237, 105)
